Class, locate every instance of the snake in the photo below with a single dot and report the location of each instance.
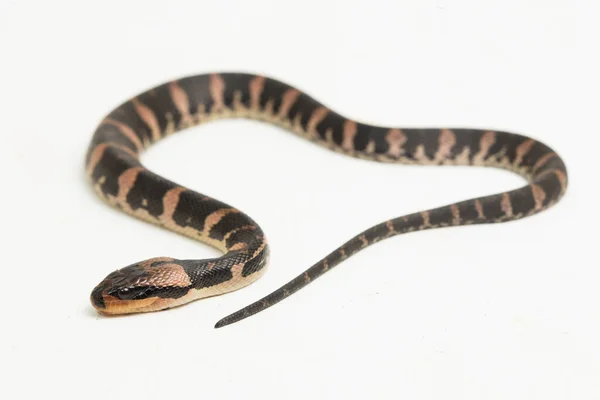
(116, 173)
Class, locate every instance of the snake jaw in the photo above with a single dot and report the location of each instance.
(106, 300)
(115, 305)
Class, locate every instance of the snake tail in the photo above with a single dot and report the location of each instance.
(491, 209)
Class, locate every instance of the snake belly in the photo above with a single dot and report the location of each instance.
(114, 168)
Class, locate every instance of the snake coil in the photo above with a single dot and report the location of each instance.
(114, 168)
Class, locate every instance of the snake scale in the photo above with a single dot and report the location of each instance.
(114, 168)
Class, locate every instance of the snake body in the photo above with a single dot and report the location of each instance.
(114, 168)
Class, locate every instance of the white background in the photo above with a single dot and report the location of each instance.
(480, 312)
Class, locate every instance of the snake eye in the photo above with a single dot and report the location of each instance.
(133, 293)
(124, 293)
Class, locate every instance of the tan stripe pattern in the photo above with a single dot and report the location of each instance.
(426, 222)
(170, 202)
(370, 149)
(260, 248)
(256, 88)
(485, 144)
(364, 240)
(463, 157)
(215, 217)
(479, 209)
(506, 205)
(542, 161)
(562, 179)
(287, 101)
(390, 227)
(317, 116)
(238, 246)
(146, 114)
(538, 196)
(455, 214)
(243, 228)
(348, 135)
(126, 181)
(95, 157)
(182, 103)
(522, 151)
(306, 277)
(447, 140)
(217, 92)
(126, 131)
(395, 139)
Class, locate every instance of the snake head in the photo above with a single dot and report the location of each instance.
(150, 285)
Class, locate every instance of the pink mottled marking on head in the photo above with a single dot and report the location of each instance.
(166, 275)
